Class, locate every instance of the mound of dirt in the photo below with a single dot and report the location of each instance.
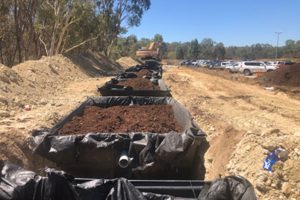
(287, 75)
(8, 76)
(10, 86)
(139, 84)
(34, 81)
(123, 119)
(127, 62)
(95, 64)
(49, 71)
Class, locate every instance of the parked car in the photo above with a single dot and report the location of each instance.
(270, 68)
(286, 63)
(233, 67)
(225, 63)
(206, 63)
(186, 62)
(195, 63)
(215, 65)
(277, 63)
(250, 67)
(200, 63)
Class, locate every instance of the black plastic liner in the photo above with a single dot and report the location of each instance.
(150, 65)
(112, 89)
(228, 188)
(155, 69)
(19, 184)
(154, 156)
(126, 75)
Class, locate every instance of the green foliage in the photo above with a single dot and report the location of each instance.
(194, 49)
(292, 48)
(179, 53)
(158, 38)
(219, 51)
(32, 28)
(125, 47)
(207, 48)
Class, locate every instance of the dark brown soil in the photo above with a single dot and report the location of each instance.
(139, 84)
(143, 72)
(287, 75)
(123, 119)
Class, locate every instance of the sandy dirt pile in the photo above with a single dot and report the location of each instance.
(287, 75)
(10, 83)
(244, 122)
(127, 62)
(32, 82)
(8, 76)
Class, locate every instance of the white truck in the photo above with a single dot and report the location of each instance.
(250, 67)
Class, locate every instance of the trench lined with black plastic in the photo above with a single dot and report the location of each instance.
(163, 166)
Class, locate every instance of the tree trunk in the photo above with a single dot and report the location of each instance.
(17, 30)
(1, 52)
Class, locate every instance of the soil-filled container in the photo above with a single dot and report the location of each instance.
(154, 67)
(134, 150)
(135, 87)
(142, 73)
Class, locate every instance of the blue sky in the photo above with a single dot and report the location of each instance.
(233, 22)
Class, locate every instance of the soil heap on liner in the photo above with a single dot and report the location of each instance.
(139, 84)
(143, 72)
(123, 119)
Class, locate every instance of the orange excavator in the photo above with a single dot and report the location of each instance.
(152, 52)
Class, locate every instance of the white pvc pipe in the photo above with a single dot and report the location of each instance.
(124, 160)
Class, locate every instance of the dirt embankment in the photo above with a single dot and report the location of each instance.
(243, 122)
(95, 64)
(127, 62)
(123, 119)
(33, 82)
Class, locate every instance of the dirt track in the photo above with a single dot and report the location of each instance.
(242, 121)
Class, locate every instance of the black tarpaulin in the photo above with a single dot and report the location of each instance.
(19, 184)
(229, 188)
(111, 88)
